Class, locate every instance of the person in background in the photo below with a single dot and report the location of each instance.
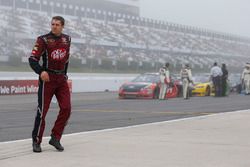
(224, 79)
(164, 80)
(245, 77)
(216, 75)
(186, 76)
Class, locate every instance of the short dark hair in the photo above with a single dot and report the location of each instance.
(60, 18)
(167, 64)
(215, 63)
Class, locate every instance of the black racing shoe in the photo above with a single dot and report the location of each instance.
(36, 147)
(56, 143)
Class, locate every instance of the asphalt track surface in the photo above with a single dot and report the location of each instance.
(95, 111)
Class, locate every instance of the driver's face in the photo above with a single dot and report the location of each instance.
(56, 27)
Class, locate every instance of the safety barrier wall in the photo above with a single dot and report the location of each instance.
(97, 84)
(26, 83)
(17, 87)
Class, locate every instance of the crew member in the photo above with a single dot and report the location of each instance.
(216, 74)
(164, 81)
(186, 76)
(245, 77)
(224, 79)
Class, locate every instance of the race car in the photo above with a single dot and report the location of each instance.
(146, 86)
(202, 86)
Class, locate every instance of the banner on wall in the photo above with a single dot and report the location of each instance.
(17, 87)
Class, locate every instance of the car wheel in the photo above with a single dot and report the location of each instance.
(207, 91)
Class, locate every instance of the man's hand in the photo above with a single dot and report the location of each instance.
(44, 76)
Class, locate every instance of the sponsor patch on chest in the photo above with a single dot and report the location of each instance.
(58, 54)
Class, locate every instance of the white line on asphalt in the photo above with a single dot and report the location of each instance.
(133, 126)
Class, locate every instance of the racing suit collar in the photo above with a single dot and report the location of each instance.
(55, 36)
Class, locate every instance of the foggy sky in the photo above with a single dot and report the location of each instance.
(230, 16)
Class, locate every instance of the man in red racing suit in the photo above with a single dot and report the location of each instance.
(54, 49)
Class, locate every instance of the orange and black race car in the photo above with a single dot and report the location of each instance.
(146, 86)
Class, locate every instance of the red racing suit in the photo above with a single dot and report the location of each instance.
(54, 51)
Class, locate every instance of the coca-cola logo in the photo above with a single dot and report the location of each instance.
(58, 54)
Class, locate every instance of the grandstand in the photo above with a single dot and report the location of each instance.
(111, 34)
